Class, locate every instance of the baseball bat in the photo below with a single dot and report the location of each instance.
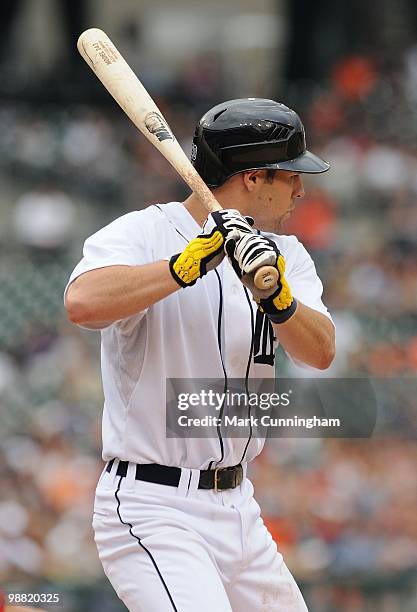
(122, 83)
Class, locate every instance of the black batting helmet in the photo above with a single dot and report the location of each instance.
(250, 134)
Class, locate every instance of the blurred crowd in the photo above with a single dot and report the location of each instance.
(337, 508)
(342, 508)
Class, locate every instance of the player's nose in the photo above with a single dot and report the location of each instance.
(299, 188)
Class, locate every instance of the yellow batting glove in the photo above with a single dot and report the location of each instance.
(206, 251)
(201, 255)
(280, 305)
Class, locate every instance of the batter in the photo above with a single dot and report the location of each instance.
(176, 524)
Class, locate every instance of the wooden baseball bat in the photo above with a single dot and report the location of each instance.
(122, 83)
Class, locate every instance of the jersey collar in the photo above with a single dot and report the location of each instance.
(181, 219)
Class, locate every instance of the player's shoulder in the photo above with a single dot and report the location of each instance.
(156, 214)
(133, 223)
(150, 214)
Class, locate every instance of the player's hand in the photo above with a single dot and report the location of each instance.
(206, 251)
(201, 255)
(230, 223)
(246, 255)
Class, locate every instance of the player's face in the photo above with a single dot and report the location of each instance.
(275, 199)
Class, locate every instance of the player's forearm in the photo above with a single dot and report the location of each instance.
(308, 336)
(116, 292)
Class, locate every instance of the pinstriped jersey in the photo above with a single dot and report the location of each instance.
(209, 330)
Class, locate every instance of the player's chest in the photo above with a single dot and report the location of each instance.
(219, 309)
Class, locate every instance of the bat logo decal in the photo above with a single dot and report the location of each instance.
(157, 126)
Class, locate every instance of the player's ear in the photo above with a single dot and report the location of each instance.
(252, 179)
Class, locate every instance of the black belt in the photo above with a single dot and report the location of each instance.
(218, 479)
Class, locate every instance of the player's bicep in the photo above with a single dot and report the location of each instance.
(83, 288)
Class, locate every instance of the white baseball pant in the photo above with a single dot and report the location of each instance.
(183, 549)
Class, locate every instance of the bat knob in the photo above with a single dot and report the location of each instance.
(266, 277)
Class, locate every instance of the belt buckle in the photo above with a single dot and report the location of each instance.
(237, 474)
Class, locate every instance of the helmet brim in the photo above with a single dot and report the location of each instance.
(307, 163)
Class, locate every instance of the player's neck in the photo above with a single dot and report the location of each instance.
(196, 209)
(199, 212)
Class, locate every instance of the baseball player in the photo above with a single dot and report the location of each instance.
(176, 524)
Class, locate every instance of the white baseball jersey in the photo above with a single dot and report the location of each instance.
(203, 331)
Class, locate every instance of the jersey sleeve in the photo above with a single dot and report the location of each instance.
(124, 242)
(121, 243)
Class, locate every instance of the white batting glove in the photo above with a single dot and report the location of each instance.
(250, 252)
(230, 223)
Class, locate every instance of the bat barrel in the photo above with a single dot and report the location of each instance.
(122, 83)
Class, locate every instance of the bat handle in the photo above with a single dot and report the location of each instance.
(266, 277)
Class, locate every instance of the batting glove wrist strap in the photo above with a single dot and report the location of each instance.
(201, 254)
(280, 316)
